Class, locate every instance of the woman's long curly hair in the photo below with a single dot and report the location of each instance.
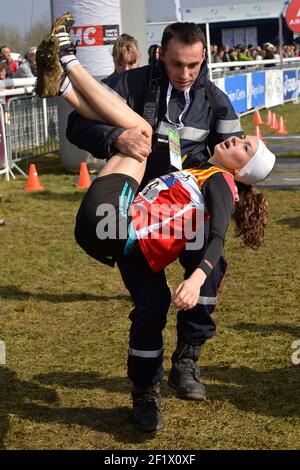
(250, 216)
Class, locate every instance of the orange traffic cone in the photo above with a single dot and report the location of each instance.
(282, 129)
(274, 125)
(33, 180)
(257, 119)
(269, 118)
(258, 133)
(84, 177)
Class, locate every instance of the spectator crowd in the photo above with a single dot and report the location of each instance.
(23, 68)
(242, 53)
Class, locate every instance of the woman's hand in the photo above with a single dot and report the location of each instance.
(187, 293)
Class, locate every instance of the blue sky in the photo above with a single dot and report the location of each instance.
(22, 13)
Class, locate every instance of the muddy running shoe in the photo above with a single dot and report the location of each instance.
(63, 24)
(49, 68)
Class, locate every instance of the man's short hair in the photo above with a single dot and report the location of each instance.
(187, 33)
(125, 43)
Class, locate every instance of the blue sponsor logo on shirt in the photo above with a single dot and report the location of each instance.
(169, 179)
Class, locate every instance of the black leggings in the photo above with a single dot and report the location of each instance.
(102, 220)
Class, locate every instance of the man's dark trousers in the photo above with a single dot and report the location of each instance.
(151, 296)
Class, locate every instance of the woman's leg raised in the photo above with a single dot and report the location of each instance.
(119, 163)
(107, 104)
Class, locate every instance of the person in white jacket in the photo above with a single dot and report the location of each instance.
(27, 69)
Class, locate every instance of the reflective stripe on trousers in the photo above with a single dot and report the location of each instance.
(145, 354)
(207, 300)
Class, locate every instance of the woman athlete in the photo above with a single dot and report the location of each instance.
(171, 210)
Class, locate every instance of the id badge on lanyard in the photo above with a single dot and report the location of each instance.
(173, 132)
(174, 149)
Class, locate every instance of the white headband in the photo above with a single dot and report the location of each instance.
(258, 167)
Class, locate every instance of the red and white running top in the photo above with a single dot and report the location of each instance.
(170, 211)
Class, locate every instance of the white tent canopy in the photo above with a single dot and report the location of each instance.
(216, 11)
(159, 14)
(233, 11)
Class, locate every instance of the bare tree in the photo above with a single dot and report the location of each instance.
(34, 36)
(17, 42)
(11, 37)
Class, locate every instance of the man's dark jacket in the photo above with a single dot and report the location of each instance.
(98, 138)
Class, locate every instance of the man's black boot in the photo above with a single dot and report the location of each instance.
(184, 375)
(146, 408)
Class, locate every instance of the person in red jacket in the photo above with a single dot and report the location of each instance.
(113, 219)
(11, 65)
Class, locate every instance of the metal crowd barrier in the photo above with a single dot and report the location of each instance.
(31, 126)
(223, 69)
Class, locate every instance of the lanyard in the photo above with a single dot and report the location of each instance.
(187, 98)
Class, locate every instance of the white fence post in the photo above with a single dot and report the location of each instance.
(45, 118)
(5, 169)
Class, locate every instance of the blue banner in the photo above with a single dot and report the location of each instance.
(258, 89)
(290, 85)
(236, 89)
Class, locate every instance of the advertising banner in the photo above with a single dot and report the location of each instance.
(96, 28)
(274, 88)
(292, 16)
(298, 81)
(258, 89)
(290, 85)
(236, 89)
(220, 83)
(215, 12)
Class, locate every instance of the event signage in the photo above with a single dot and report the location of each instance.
(261, 89)
(292, 16)
(274, 88)
(97, 35)
(236, 89)
(290, 85)
(96, 28)
(298, 81)
(231, 11)
(220, 83)
(258, 89)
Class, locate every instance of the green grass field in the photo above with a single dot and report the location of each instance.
(290, 113)
(64, 319)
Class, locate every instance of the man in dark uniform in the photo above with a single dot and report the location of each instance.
(200, 114)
